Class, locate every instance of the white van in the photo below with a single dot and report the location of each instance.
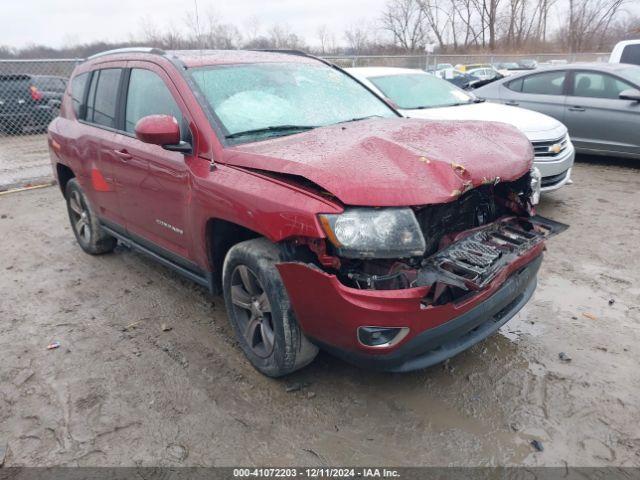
(626, 52)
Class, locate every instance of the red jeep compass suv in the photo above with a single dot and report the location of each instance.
(324, 218)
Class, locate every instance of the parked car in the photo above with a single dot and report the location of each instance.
(29, 101)
(627, 51)
(598, 102)
(323, 218)
(418, 95)
(442, 66)
(459, 79)
(507, 68)
(485, 74)
(528, 64)
(471, 66)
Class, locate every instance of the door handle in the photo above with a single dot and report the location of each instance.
(513, 103)
(123, 154)
(577, 108)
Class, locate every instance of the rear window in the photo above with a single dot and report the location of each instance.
(78, 89)
(103, 96)
(50, 84)
(631, 54)
(13, 85)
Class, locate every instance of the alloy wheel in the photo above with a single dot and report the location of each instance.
(252, 311)
(80, 216)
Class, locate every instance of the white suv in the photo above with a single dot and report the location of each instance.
(626, 52)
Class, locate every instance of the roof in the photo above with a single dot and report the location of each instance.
(198, 58)
(598, 66)
(624, 43)
(382, 71)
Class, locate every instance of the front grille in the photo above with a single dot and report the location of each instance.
(472, 209)
(553, 179)
(548, 149)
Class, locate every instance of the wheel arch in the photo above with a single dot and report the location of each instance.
(64, 174)
(220, 236)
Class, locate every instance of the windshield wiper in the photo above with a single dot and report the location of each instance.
(274, 128)
(357, 119)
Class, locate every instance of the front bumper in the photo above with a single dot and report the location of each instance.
(330, 313)
(556, 171)
(455, 336)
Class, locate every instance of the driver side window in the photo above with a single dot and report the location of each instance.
(598, 85)
(148, 95)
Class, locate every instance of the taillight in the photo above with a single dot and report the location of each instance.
(35, 93)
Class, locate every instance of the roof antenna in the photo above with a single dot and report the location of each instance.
(198, 34)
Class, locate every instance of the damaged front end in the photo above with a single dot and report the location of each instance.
(403, 289)
(452, 249)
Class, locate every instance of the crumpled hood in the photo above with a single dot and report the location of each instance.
(394, 162)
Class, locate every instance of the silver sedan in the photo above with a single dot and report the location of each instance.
(598, 102)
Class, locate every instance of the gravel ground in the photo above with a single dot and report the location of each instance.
(24, 160)
(112, 395)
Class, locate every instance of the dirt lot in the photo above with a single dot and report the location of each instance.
(24, 160)
(188, 397)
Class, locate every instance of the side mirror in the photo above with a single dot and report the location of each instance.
(161, 130)
(631, 94)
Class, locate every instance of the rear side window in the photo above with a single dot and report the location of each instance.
(78, 88)
(515, 85)
(148, 95)
(597, 85)
(548, 83)
(631, 54)
(103, 97)
(49, 84)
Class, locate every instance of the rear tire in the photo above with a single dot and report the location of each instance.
(84, 223)
(260, 311)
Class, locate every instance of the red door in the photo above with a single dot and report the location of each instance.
(99, 128)
(154, 183)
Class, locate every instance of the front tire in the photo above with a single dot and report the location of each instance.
(84, 223)
(260, 311)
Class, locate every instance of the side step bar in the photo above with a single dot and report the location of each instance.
(196, 277)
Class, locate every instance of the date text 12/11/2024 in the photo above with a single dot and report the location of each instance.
(325, 472)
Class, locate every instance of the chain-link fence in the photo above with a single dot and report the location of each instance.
(436, 61)
(30, 96)
(31, 91)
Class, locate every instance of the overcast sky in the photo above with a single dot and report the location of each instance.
(61, 22)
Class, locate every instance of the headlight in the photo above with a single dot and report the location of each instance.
(375, 233)
(536, 185)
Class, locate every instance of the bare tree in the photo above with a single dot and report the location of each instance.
(252, 27)
(358, 38)
(439, 15)
(326, 39)
(588, 23)
(281, 36)
(406, 21)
